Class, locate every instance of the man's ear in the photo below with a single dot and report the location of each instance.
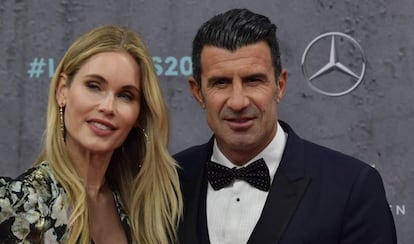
(196, 91)
(281, 85)
(62, 90)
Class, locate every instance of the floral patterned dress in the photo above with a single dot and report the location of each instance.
(34, 208)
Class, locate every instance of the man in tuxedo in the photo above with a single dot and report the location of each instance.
(255, 180)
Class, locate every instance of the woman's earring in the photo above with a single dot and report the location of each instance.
(146, 136)
(147, 140)
(62, 122)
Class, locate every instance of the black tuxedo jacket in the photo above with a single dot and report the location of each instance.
(317, 196)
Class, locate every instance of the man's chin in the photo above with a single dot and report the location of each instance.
(240, 142)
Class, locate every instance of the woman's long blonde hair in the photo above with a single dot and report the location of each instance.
(142, 168)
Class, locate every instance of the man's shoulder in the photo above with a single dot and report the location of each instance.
(191, 161)
(189, 151)
(323, 155)
(193, 154)
(327, 163)
(332, 156)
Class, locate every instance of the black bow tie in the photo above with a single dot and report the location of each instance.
(256, 174)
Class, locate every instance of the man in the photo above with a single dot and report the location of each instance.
(291, 191)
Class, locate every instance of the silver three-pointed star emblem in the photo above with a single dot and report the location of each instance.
(334, 66)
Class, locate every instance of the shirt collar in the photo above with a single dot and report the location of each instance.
(272, 153)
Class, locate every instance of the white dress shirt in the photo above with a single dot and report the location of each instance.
(233, 211)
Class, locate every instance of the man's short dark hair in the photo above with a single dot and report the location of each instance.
(234, 29)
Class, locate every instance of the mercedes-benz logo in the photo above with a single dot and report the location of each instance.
(335, 84)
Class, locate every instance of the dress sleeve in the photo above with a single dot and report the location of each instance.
(26, 207)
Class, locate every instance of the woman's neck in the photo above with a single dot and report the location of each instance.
(91, 167)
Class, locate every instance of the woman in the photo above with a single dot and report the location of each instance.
(105, 174)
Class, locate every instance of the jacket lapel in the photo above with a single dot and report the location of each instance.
(288, 187)
(193, 228)
(188, 228)
(202, 214)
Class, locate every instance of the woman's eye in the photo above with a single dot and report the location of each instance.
(92, 86)
(126, 95)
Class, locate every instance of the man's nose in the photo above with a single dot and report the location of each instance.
(238, 99)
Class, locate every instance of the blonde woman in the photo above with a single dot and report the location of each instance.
(104, 175)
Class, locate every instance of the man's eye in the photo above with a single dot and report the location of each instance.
(221, 82)
(254, 79)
